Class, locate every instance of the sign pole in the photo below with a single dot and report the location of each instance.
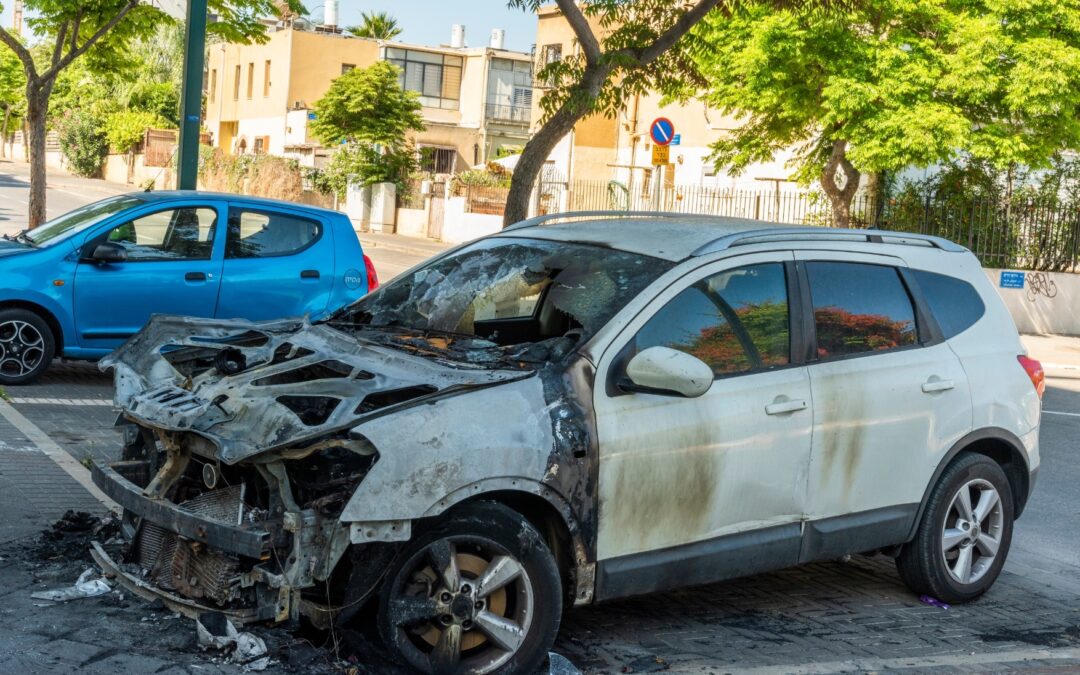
(187, 161)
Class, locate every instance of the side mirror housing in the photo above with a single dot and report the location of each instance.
(108, 252)
(665, 371)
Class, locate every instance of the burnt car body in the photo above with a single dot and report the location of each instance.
(492, 435)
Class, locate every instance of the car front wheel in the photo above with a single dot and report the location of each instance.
(478, 593)
(965, 533)
(26, 346)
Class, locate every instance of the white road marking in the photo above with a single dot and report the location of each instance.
(918, 663)
(103, 402)
(1055, 412)
(54, 452)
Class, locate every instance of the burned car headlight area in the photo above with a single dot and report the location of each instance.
(274, 470)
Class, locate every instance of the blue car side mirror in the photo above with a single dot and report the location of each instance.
(108, 252)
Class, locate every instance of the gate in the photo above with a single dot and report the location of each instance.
(437, 213)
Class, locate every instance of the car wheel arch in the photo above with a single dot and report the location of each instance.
(548, 511)
(47, 316)
(998, 444)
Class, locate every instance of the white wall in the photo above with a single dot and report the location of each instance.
(1037, 314)
(459, 226)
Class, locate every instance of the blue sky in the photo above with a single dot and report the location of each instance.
(428, 21)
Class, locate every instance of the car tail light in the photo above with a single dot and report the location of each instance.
(1035, 372)
(372, 275)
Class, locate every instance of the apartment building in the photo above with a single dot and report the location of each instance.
(477, 102)
(619, 149)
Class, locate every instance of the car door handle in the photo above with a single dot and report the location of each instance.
(936, 384)
(780, 407)
(195, 276)
(309, 274)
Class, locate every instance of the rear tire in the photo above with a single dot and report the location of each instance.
(965, 533)
(479, 592)
(27, 346)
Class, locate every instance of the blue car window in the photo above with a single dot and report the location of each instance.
(175, 234)
(259, 234)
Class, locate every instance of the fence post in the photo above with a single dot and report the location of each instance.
(757, 207)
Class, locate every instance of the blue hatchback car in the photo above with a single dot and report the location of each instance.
(81, 284)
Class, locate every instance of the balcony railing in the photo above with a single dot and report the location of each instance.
(514, 114)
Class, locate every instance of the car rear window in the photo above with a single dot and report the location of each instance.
(955, 304)
(859, 308)
(259, 234)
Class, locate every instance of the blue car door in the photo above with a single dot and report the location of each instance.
(172, 267)
(278, 263)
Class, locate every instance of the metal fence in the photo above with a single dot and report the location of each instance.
(1021, 233)
(490, 200)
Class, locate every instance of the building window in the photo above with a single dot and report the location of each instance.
(346, 67)
(437, 160)
(509, 94)
(266, 78)
(550, 54)
(236, 85)
(213, 84)
(251, 80)
(436, 77)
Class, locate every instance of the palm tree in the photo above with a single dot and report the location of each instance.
(377, 25)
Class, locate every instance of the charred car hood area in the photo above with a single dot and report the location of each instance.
(271, 468)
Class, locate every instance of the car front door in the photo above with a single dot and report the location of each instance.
(172, 267)
(277, 264)
(889, 398)
(693, 490)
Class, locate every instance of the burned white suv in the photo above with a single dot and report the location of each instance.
(580, 408)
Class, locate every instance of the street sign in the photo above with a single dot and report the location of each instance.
(676, 139)
(1012, 279)
(661, 155)
(662, 131)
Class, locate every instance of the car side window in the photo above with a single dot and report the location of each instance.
(736, 321)
(859, 308)
(262, 234)
(185, 233)
(955, 303)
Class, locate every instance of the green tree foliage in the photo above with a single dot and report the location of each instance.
(12, 98)
(377, 25)
(367, 105)
(886, 85)
(368, 116)
(82, 142)
(101, 32)
(125, 129)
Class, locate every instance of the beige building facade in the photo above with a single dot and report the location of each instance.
(477, 102)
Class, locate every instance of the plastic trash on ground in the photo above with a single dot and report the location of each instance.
(560, 665)
(248, 650)
(84, 587)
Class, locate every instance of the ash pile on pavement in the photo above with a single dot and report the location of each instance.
(141, 635)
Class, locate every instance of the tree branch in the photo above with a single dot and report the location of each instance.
(75, 31)
(680, 28)
(91, 41)
(590, 46)
(21, 51)
(58, 48)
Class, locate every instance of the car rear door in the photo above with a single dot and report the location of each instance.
(173, 266)
(278, 263)
(692, 490)
(888, 396)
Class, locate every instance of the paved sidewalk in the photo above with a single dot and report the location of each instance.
(419, 246)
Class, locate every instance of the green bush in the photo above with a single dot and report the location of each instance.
(124, 130)
(365, 164)
(257, 175)
(82, 142)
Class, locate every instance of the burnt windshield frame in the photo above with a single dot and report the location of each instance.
(482, 266)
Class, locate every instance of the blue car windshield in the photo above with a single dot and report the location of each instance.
(78, 220)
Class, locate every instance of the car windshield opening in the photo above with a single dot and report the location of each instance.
(507, 292)
(79, 219)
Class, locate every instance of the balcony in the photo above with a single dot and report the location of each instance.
(509, 114)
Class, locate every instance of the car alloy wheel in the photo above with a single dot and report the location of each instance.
(22, 348)
(467, 604)
(971, 534)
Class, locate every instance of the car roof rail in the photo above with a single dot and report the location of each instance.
(822, 234)
(581, 215)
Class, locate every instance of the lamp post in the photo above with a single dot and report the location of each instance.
(187, 162)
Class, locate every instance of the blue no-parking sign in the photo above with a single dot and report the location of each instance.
(1012, 279)
(662, 131)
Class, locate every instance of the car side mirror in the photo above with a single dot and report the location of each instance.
(665, 371)
(108, 252)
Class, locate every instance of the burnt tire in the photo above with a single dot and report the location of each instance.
(479, 592)
(965, 533)
(27, 346)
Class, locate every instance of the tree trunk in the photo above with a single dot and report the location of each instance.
(4, 131)
(544, 141)
(37, 105)
(840, 197)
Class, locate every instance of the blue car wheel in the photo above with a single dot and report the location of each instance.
(26, 346)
